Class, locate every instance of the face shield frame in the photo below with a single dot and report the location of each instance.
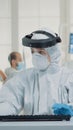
(40, 43)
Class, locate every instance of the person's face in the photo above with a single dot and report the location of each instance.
(16, 61)
(41, 51)
(18, 58)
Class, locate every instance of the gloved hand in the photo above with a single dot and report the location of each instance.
(62, 109)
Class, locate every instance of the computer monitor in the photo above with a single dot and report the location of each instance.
(71, 43)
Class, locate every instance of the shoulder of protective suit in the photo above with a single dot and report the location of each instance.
(26, 73)
(30, 72)
(67, 70)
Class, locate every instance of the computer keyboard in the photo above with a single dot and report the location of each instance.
(13, 118)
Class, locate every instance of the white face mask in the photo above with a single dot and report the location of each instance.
(40, 61)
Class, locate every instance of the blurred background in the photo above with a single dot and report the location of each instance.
(21, 17)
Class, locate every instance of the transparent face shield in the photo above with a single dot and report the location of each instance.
(37, 42)
(27, 56)
(29, 53)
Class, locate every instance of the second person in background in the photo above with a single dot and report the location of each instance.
(16, 62)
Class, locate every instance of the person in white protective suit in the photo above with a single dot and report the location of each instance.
(38, 88)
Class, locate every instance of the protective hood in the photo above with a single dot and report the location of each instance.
(53, 51)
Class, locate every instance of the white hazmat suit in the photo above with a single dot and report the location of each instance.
(36, 90)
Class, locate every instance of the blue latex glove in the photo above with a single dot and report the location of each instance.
(62, 109)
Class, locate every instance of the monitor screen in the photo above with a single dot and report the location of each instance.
(71, 43)
(71, 38)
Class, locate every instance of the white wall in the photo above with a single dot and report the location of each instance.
(35, 14)
(32, 15)
(5, 32)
